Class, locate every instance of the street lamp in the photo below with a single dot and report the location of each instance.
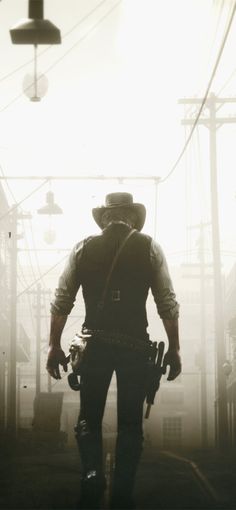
(50, 209)
(35, 30)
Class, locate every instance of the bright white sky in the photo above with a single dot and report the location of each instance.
(112, 109)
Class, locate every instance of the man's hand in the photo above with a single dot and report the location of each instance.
(173, 359)
(56, 357)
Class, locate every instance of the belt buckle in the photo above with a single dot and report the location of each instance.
(115, 295)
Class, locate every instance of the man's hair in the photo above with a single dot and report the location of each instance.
(119, 214)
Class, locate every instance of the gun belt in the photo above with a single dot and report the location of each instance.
(121, 339)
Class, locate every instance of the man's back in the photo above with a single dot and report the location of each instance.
(124, 308)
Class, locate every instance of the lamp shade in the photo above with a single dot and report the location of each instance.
(50, 207)
(35, 29)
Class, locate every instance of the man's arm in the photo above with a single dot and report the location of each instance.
(172, 357)
(61, 307)
(56, 355)
(167, 307)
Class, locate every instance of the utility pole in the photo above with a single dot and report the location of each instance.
(12, 360)
(2, 390)
(11, 396)
(38, 339)
(18, 396)
(212, 122)
(203, 364)
(202, 275)
(38, 293)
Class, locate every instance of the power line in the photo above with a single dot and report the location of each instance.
(205, 96)
(15, 206)
(84, 36)
(22, 224)
(11, 73)
(232, 74)
(28, 251)
(218, 21)
(29, 301)
(56, 62)
(29, 255)
(44, 274)
(120, 178)
(227, 82)
(40, 273)
(30, 262)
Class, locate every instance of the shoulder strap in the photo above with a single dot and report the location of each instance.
(113, 264)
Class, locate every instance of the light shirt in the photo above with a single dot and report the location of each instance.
(161, 284)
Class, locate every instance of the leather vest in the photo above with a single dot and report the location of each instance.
(125, 303)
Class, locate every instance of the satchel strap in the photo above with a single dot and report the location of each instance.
(113, 264)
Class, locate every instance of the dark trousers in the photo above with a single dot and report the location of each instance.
(131, 372)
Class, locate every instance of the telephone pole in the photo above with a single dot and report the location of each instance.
(38, 340)
(11, 370)
(203, 364)
(212, 122)
(202, 273)
(12, 359)
(38, 292)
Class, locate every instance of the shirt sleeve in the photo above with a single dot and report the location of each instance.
(69, 283)
(161, 284)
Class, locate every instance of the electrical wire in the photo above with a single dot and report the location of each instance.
(110, 11)
(19, 265)
(40, 274)
(227, 82)
(49, 69)
(22, 222)
(21, 279)
(25, 283)
(29, 302)
(193, 157)
(202, 191)
(187, 207)
(223, 87)
(44, 274)
(28, 252)
(16, 205)
(56, 62)
(30, 261)
(204, 98)
(221, 9)
(189, 108)
(202, 104)
(38, 267)
(7, 185)
(11, 73)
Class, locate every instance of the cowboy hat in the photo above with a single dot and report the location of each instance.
(124, 200)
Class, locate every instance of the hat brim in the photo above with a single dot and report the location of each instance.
(138, 209)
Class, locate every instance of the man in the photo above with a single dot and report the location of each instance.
(117, 322)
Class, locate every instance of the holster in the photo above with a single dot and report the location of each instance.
(77, 351)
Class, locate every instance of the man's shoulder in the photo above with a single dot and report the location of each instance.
(143, 235)
(78, 247)
(143, 239)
